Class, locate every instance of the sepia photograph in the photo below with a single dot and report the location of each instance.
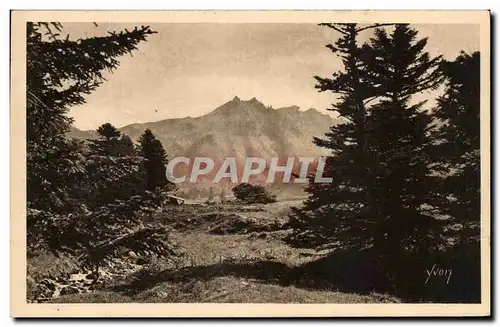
(246, 162)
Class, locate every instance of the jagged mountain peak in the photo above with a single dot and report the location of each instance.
(289, 108)
(315, 111)
(237, 100)
(238, 128)
(236, 106)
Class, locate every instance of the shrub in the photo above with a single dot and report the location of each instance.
(249, 193)
(102, 234)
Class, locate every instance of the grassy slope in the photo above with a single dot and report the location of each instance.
(244, 268)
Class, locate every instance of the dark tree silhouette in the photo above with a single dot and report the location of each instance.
(459, 134)
(155, 157)
(127, 146)
(402, 182)
(86, 201)
(60, 72)
(338, 213)
(111, 142)
(381, 195)
(108, 131)
(114, 169)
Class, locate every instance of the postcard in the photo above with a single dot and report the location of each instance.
(250, 163)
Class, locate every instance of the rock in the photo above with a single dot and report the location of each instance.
(132, 255)
(50, 284)
(252, 235)
(77, 277)
(262, 235)
(141, 261)
(98, 283)
(91, 276)
(44, 291)
(161, 294)
(70, 290)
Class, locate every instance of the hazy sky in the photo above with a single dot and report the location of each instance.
(190, 69)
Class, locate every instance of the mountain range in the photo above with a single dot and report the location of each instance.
(237, 128)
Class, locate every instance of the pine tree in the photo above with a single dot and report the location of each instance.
(459, 111)
(111, 142)
(402, 182)
(108, 131)
(337, 214)
(153, 152)
(127, 146)
(114, 170)
(60, 71)
(381, 197)
(63, 176)
(119, 201)
(108, 141)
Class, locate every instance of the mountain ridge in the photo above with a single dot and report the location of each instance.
(236, 128)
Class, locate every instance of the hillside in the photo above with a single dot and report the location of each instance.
(237, 128)
(232, 253)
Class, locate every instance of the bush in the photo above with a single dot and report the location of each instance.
(102, 234)
(249, 193)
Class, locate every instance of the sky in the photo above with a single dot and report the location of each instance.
(190, 69)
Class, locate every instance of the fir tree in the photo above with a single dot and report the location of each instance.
(127, 146)
(381, 195)
(114, 169)
(155, 157)
(108, 131)
(60, 71)
(338, 213)
(402, 183)
(64, 213)
(459, 134)
(108, 141)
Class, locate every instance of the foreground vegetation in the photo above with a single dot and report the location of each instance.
(231, 253)
(237, 253)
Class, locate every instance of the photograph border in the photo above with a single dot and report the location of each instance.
(19, 305)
